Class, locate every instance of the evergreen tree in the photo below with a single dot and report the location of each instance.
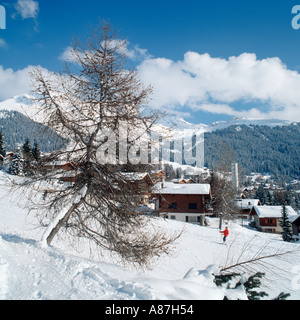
(36, 152)
(2, 145)
(251, 284)
(297, 201)
(282, 296)
(286, 226)
(269, 199)
(287, 198)
(260, 194)
(27, 157)
(17, 164)
(27, 150)
(254, 282)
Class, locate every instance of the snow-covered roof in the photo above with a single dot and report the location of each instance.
(177, 188)
(247, 203)
(134, 175)
(273, 211)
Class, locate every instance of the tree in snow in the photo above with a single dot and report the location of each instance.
(27, 150)
(2, 150)
(86, 103)
(36, 152)
(286, 225)
(2, 145)
(27, 156)
(16, 166)
(249, 284)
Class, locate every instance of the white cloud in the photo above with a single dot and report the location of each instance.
(135, 53)
(27, 8)
(67, 55)
(239, 86)
(13, 83)
(214, 85)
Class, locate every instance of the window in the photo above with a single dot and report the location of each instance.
(192, 206)
(193, 219)
(172, 205)
(173, 218)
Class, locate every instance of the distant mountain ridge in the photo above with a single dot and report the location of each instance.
(26, 104)
(259, 145)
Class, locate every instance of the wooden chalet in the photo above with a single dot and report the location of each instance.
(182, 202)
(267, 218)
(66, 166)
(141, 184)
(67, 172)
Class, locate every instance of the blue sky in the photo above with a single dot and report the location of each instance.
(207, 60)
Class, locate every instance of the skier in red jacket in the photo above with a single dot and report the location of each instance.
(226, 233)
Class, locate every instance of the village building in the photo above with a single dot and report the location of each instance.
(66, 172)
(157, 175)
(183, 201)
(296, 226)
(141, 184)
(245, 206)
(267, 218)
(182, 180)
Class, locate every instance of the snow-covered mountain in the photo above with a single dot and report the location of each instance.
(22, 103)
(25, 104)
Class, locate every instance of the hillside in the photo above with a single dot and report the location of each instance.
(258, 148)
(30, 270)
(16, 127)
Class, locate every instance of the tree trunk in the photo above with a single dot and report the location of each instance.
(61, 222)
(221, 220)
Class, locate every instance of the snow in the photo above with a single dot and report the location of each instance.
(71, 270)
(247, 203)
(22, 103)
(181, 188)
(273, 211)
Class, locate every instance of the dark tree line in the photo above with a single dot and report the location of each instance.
(261, 149)
(23, 159)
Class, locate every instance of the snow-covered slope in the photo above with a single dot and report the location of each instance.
(22, 103)
(218, 125)
(30, 270)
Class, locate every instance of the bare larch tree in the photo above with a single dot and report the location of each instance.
(85, 103)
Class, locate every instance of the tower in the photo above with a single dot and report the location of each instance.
(235, 176)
